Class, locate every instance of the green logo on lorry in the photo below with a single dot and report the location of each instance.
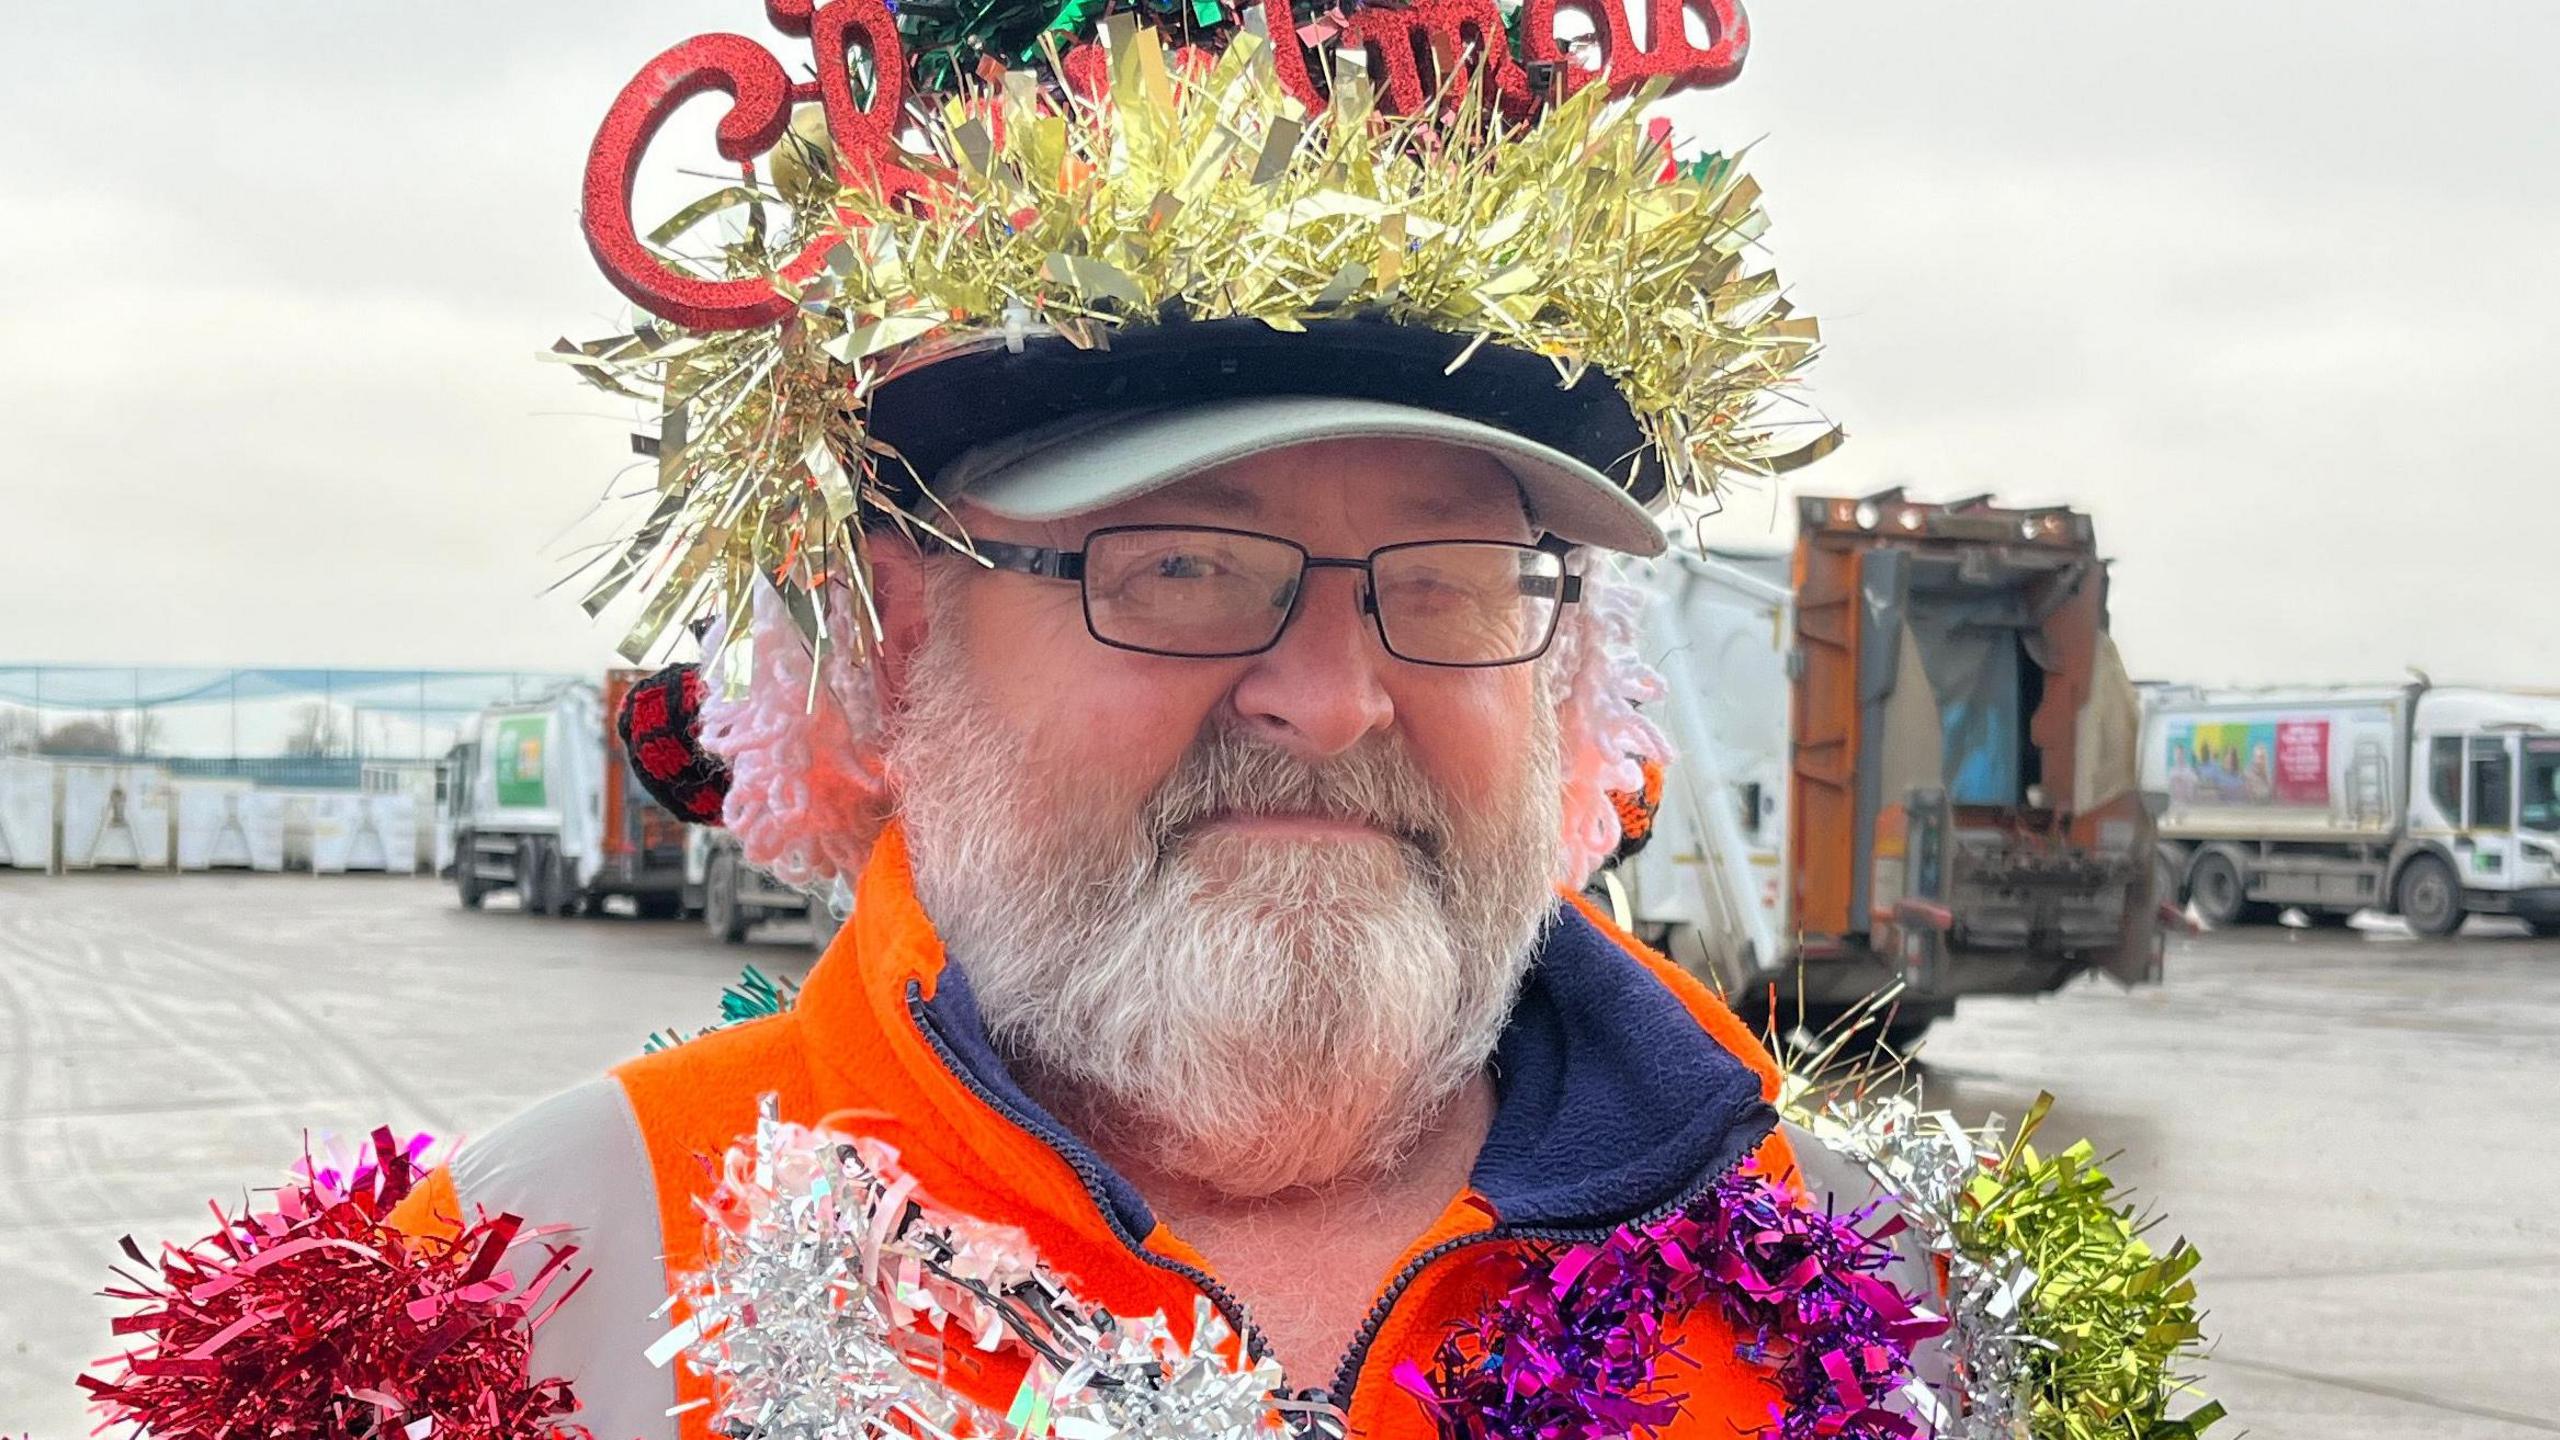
(517, 760)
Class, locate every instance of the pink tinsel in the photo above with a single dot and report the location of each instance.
(1599, 679)
(317, 1318)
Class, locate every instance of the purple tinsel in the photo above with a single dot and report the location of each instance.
(1570, 1347)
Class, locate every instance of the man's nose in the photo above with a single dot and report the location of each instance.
(1322, 688)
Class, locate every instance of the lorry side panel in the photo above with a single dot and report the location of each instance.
(2263, 767)
(1884, 585)
(2069, 659)
(620, 819)
(1717, 866)
(1823, 844)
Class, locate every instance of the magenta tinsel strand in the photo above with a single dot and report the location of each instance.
(1572, 1347)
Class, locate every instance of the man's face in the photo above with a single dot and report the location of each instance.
(1263, 914)
(1122, 719)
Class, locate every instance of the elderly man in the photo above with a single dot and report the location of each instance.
(1157, 506)
(1215, 940)
(1160, 514)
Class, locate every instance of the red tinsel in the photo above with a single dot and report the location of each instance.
(316, 1320)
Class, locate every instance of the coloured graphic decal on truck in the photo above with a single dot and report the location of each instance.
(2280, 762)
(517, 760)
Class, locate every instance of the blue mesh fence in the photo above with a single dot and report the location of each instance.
(284, 726)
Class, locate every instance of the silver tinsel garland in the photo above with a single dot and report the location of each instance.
(833, 1299)
(1926, 1161)
(836, 1302)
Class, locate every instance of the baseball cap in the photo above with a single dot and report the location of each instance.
(1085, 462)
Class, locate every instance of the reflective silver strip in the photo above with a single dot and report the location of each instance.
(578, 1160)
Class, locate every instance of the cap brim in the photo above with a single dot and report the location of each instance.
(938, 405)
(1080, 465)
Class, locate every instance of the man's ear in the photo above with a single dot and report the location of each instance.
(898, 589)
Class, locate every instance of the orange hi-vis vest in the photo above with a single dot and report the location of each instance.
(1624, 1089)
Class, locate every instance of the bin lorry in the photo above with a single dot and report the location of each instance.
(538, 800)
(733, 897)
(1905, 753)
(2430, 803)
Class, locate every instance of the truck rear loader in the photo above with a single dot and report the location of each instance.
(1906, 753)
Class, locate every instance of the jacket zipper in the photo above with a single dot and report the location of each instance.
(1232, 1309)
(1346, 1378)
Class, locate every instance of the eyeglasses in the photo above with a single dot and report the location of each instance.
(1203, 593)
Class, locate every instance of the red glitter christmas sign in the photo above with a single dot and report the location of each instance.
(862, 127)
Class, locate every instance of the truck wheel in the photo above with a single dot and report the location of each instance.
(2544, 929)
(659, 907)
(721, 913)
(466, 875)
(2222, 898)
(557, 886)
(532, 876)
(1903, 1035)
(2430, 897)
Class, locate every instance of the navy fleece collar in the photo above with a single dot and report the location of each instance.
(1612, 1101)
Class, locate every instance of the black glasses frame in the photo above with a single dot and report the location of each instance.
(1048, 563)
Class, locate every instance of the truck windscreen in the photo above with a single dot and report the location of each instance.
(2539, 807)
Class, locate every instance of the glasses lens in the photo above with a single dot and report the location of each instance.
(1468, 603)
(1188, 592)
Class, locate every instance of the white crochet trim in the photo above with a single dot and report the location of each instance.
(808, 794)
(1600, 678)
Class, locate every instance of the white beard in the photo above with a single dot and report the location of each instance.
(1250, 1013)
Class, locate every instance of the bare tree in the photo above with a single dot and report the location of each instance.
(89, 735)
(21, 732)
(142, 730)
(318, 730)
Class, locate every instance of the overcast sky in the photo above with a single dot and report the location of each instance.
(2267, 285)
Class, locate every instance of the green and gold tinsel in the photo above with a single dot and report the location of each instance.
(1201, 194)
(2066, 1323)
(2109, 1316)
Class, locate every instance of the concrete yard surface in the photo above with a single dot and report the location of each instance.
(165, 1040)
(2356, 1128)
(2353, 1126)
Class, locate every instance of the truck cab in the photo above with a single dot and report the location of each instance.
(2489, 809)
(733, 897)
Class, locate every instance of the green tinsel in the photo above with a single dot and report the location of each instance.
(2111, 1316)
(946, 39)
(755, 996)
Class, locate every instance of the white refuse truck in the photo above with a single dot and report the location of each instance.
(2430, 803)
(1905, 753)
(539, 800)
(733, 897)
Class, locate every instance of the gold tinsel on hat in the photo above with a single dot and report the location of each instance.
(1210, 193)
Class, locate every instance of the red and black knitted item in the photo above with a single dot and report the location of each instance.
(661, 728)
